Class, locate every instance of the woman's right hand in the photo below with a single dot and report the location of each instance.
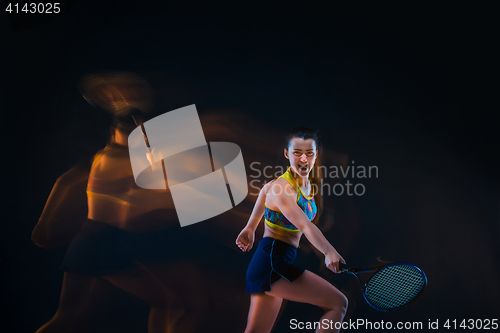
(245, 239)
(332, 260)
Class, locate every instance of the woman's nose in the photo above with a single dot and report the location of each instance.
(303, 157)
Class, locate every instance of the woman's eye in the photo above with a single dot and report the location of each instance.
(308, 154)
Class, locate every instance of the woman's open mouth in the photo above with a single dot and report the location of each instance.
(303, 166)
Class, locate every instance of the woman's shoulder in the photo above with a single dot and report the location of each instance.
(267, 186)
(280, 186)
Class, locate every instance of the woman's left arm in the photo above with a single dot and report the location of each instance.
(286, 202)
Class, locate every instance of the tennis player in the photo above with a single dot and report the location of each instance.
(291, 206)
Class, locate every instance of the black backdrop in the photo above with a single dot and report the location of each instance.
(406, 88)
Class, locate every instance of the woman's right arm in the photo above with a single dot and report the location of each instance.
(246, 237)
(65, 210)
(259, 209)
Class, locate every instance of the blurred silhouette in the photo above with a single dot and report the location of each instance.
(62, 217)
(119, 234)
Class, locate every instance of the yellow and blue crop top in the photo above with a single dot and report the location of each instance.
(277, 220)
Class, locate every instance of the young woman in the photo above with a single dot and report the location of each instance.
(291, 205)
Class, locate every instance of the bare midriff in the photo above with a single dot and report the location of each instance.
(291, 238)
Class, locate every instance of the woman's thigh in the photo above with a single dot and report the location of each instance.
(309, 288)
(263, 312)
(79, 291)
(161, 285)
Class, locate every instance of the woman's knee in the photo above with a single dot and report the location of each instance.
(338, 303)
(344, 303)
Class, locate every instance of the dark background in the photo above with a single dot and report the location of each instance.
(407, 88)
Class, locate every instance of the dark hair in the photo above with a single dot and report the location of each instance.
(315, 175)
(303, 133)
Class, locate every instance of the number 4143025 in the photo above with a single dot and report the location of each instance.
(473, 324)
(34, 8)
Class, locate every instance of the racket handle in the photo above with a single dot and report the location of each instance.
(343, 267)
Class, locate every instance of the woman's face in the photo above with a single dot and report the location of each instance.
(302, 155)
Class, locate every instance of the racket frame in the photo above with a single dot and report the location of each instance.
(375, 270)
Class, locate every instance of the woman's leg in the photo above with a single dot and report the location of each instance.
(175, 293)
(262, 313)
(79, 296)
(312, 289)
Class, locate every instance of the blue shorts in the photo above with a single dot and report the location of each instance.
(273, 259)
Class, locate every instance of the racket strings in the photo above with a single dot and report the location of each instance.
(394, 286)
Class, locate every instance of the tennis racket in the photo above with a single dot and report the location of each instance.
(391, 286)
